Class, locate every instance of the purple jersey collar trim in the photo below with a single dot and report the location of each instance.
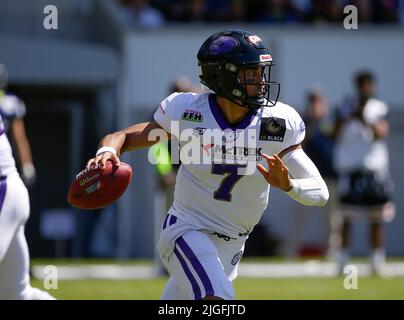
(217, 114)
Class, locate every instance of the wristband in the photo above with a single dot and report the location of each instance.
(106, 149)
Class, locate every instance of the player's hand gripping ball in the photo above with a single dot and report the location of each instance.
(98, 188)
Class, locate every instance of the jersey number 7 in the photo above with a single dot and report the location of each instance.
(223, 193)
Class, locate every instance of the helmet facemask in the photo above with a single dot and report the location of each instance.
(253, 87)
(235, 84)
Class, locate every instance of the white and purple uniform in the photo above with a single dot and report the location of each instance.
(215, 207)
(11, 107)
(14, 213)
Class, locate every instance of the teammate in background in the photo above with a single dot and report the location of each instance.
(236, 128)
(14, 213)
(183, 84)
(13, 110)
(362, 161)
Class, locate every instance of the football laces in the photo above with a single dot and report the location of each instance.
(83, 172)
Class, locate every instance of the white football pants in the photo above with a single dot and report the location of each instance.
(14, 256)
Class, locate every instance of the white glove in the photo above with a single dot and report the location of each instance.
(28, 174)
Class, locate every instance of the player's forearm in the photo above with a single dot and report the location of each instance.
(21, 141)
(309, 191)
(114, 140)
(380, 129)
(138, 136)
(308, 187)
(24, 151)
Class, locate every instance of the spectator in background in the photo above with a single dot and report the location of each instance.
(325, 11)
(197, 10)
(175, 10)
(275, 11)
(278, 11)
(365, 10)
(386, 11)
(239, 10)
(362, 161)
(203, 10)
(12, 110)
(140, 14)
(182, 84)
(401, 12)
(224, 10)
(319, 145)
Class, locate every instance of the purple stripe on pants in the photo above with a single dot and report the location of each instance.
(194, 284)
(165, 222)
(173, 220)
(3, 189)
(197, 266)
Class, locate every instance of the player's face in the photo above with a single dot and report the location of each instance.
(254, 80)
(367, 89)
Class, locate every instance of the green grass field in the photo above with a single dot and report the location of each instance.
(246, 288)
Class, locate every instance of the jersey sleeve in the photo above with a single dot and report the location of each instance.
(295, 130)
(13, 107)
(171, 109)
(20, 109)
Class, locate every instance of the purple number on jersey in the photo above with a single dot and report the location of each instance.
(229, 181)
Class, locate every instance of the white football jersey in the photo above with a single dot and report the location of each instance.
(356, 147)
(7, 163)
(216, 194)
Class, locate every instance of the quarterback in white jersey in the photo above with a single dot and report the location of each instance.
(14, 213)
(224, 136)
(237, 202)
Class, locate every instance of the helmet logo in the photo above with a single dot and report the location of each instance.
(223, 44)
(231, 67)
(255, 40)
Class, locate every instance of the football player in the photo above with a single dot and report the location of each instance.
(362, 161)
(14, 213)
(218, 202)
(12, 110)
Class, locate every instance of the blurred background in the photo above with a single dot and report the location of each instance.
(110, 62)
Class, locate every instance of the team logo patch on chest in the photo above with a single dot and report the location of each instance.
(190, 115)
(272, 129)
(237, 257)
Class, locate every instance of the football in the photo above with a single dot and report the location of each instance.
(97, 188)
